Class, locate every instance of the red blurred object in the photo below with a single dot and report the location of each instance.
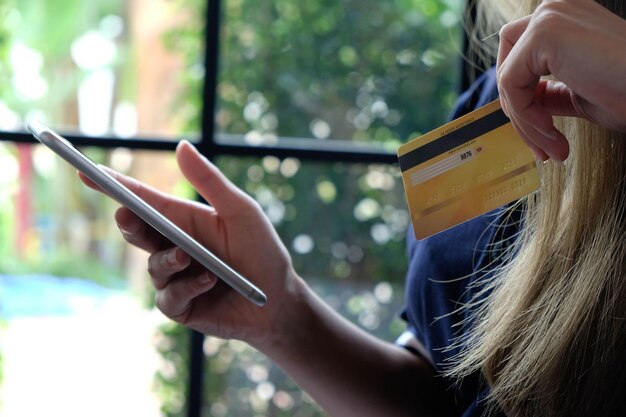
(24, 207)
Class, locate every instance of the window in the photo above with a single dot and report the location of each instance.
(335, 71)
(301, 104)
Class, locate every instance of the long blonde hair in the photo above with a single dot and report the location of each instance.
(550, 337)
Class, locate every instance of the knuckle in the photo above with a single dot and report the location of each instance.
(547, 17)
(159, 263)
(153, 266)
(164, 260)
(506, 31)
(169, 302)
(160, 302)
(151, 271)
(504, 81)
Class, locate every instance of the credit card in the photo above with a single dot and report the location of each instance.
(465, 168)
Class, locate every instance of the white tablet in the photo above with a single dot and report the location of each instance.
(142, 209)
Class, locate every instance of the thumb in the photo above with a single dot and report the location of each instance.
(208, 180)
(559, 100)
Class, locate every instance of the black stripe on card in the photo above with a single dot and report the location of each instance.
(453, 139)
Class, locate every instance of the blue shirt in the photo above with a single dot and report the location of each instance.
(442, 267)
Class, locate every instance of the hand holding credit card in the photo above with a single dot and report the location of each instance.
(465, 168)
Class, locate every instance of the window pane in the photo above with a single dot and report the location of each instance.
(344, 226)
(358, 70)
(101, 67)
(79, 333)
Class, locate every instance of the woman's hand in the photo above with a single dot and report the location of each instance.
(235, 228)
(581, 44)
(339, 365)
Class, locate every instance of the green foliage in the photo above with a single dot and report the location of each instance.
(336, 208)
(186, 40)
(5, 214)
(371, 70)
(58, 22)
(47, 30)
(171, 380)
(361, 70)
(5, 8)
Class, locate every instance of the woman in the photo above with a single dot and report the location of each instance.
(550, 338)
(545, 327)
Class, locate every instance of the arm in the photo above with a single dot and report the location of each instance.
(347, 371)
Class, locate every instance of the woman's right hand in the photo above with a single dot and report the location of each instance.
(339, 365)
(581, 44)
(234, 228)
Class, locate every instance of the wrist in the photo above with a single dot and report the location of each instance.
(292, 316)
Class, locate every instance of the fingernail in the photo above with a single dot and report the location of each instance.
(552, 135)
(172, 257)
(185, 142)
(124, 230)
(206, 278)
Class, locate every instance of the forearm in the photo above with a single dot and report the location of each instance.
(349, 372)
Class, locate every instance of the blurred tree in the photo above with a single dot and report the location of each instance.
(45, 44)
(37, 64)
(5, 76)
(350, 69)
(361, 70)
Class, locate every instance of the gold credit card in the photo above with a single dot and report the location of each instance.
(465, 168)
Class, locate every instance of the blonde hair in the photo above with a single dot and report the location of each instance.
(550, 337)
(482, 29)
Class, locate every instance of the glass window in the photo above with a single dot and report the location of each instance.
(80, 335)
(100, 67)
(354, 260)
(358, 70)
(344, 225)
(75, 304)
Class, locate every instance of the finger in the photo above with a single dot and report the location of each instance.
(520, 72)
(555, 146)
(157, 199)
(88, 182)
(164, 264)
(509, 35)
(528, 139)
(530, 116)
(540, 155)
(538, 129)
(176, 299)
(537, 142)
(138, 233)
(208, 180)
(559, 100)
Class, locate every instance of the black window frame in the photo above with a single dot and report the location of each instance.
(339, 151)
